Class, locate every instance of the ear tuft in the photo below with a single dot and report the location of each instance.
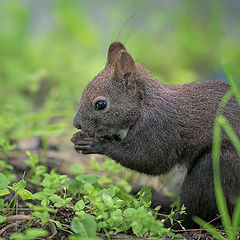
(113, 51)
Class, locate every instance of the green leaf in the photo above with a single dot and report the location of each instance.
(80, 205)
(33, 157)
(64, 202)
(48, 191)
(91, 178)
(46, 181)
(116, 218)
(124, 196)
(109, 191)
(33, 233)
(107, 200)
(18, 236)
(58, 224)
(4, 192)
(85, 226)
(39, 195)
(55, 198)
(3, 181)
(78, 227)
(137, 228)
(145, 195)
(25, 194)
(130, 213)
(2, 219)
(35, 180)
(76, 187)
(106, 180)
(19, 185)
(1, 203)
(44, 216)
(89, 188)
(95, 165)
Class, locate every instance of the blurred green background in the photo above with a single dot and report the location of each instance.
(50, 50)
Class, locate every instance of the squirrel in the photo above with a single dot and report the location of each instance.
(129, 116)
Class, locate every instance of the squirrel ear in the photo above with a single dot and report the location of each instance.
(113, 51)
(124, 65)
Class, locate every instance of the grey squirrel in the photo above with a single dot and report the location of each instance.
(150, 127)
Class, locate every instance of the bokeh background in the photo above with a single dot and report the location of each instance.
(50, 50)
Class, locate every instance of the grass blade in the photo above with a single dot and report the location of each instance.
(236, 218)
(210, 228)
(220, 199)
(224, 123)
(224, 101)
(232, 82)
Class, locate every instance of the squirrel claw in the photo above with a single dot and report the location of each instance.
(78, 135)
(89, 145)
(87, 149)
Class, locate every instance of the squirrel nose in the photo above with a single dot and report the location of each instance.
(76, 123)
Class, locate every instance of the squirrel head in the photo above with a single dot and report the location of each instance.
(111, 102)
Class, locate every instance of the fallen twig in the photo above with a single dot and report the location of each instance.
(22, 218)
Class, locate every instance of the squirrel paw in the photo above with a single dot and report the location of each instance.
(88, 144)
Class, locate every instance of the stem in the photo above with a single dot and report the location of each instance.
(14, 204)
(220, 198)
(107, 234)
(13, 199)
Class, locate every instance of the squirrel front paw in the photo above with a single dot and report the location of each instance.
(87, 144)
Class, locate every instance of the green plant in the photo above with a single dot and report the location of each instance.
(52, 184)
(41, 212)
(97, 205)
(84, 227)
(4, 182)
(36, 170)
(19, 189)
(114, 210)
(30, 234)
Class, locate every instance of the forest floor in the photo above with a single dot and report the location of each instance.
(60, 161)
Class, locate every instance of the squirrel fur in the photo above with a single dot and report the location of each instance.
(144, 125)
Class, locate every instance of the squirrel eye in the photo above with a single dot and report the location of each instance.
(101, 104)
